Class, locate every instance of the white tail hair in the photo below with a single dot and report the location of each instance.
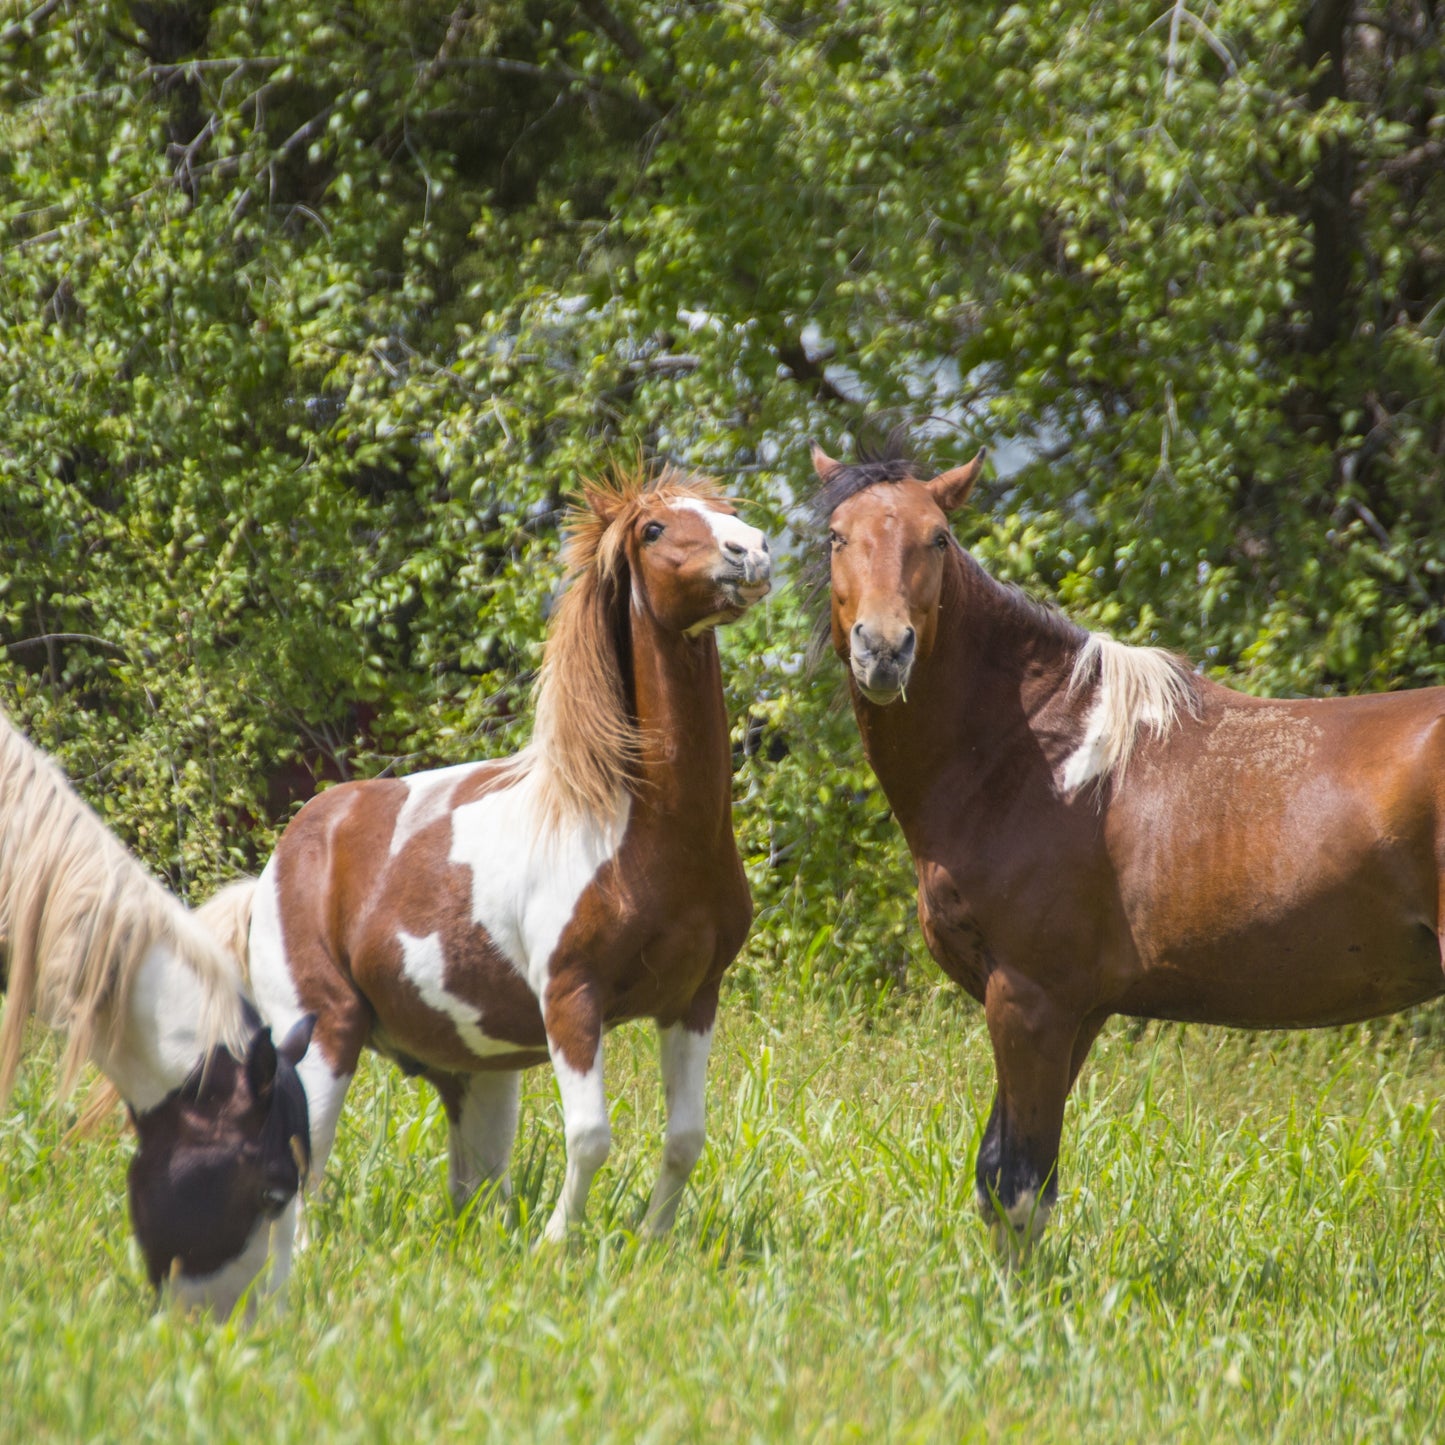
(78, 915)
(1137, 688)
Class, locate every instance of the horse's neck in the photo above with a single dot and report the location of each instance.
(161, 1035)
(989, 701)
(684, 753)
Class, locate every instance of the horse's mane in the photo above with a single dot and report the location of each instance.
(77, 916)
(585, 739)
(1137, 687)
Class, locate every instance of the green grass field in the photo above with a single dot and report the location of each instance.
(1250, 1244)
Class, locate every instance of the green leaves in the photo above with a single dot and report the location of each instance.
(310, 319)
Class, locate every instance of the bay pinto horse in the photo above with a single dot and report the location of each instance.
(1097, 830)
(96, 948)
(483, 918)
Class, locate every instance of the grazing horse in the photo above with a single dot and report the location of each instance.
(94, 946)
(483, 918)
(1099, 831)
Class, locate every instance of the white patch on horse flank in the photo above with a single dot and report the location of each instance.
(1135, 688)
(428, 797)
(423, 964)
(527, 877)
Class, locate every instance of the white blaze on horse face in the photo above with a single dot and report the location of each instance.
(588, 1132)
(747, 543)
(526, 882)
(423, 963)
(428, 798)
(1027, 1218)
(481, 1136)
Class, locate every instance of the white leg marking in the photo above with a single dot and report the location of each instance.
(1026, 1219)
(482, 1134)
(589, 1137)
(683, 1055)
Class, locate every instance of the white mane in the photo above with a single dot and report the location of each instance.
(77, 916)
(1135, 688)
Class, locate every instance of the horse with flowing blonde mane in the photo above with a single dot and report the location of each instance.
(94, 947)
(484, 918)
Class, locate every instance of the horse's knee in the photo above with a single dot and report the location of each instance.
(681, 1150)
(588, 1146)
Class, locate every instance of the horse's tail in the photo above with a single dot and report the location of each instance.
(226, 916)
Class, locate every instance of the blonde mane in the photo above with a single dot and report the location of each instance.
(77, 916)
(1137, 688)
(584, 741)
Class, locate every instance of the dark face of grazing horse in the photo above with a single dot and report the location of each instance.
(886, 594)
(219, 1160)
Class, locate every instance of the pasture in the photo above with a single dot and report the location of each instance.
(1248, 1245)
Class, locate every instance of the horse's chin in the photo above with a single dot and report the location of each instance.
(880, 691)
(742, 595)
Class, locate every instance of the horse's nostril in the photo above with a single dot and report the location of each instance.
(909, 636)
(734, 549)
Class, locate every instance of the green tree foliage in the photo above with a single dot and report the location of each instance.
(313, 316)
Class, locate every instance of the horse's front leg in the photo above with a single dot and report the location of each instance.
(574, 1039)
(1037, 1055)
(683, 1051)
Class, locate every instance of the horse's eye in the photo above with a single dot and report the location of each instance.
(941, 541)
(652, 531)
(835, 541)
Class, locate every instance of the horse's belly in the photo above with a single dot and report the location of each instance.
(1300, 973)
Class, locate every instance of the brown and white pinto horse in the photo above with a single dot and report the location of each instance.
(1098, 831)
(484, 918)
(94, 946)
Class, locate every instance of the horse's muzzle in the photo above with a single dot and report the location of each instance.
(881, 666)
(750, 572)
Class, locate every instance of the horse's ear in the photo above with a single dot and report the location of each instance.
(298, 1039)
(261, 1065)
(951, 489)
(824, 465)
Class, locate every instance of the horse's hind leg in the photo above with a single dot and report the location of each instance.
(482, 1115)
(1038, 1048)
(683, 1053)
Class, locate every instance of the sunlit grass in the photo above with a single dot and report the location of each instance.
(1248, 1245)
